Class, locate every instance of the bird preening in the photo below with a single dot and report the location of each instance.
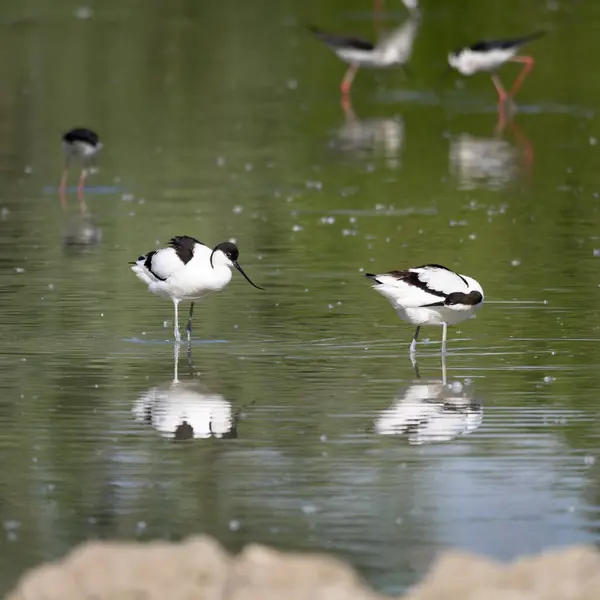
(430, 295)
(188, 270)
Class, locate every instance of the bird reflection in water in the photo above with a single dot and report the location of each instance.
(431, 410)
(380, 136)
(79, 229)
(492, 162)
(185, 410)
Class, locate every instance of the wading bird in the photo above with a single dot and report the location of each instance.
(489, 56)
(430, 295)
(188, 270)
(84, 145)
(393, 49)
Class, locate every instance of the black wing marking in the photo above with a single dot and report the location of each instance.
(184, 247)
(487, 45)
(436, 266)
(148, 264)
(342, 41)
(81, 134)
(412, 278)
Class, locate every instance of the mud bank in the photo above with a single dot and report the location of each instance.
(200, 569)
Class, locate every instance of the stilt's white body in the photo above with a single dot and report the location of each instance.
(394, 48)
(430, 295)
(468, 62)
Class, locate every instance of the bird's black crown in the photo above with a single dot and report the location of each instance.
(229, 249)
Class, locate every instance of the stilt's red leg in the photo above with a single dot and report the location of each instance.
(502, 95)
(525, 143)
(348, 79)
(347, 107)
(80, 188)
(62, 190)
(500, 126)
(377, 14)
(529, 62)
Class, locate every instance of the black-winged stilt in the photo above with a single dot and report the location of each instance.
(393, 49)
(489, 56)
(430, 295)
(188, 270)
(84, 145)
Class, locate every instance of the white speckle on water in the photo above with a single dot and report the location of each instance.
(140, 527)
(593, 141)
(327, 220)
(238, 209)
(472, 236)
(292, 84)
(297, 228)
(515, 262)
(309, 509)
(249, 167)
(596, 251)
(19, 269)
(234, 525)
(12, 525)
(323, 438)
(165, 324)
(220, 161)
(127, 197)
(316, 185)
(455, 387)
(28, 169)
(4, 213)
(83, 12)
(549, 379)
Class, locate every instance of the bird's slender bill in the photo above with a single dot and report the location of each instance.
(237, 266)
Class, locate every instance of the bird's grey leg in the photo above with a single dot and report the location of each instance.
(189, 324)
(176, 363)
(176, 324)
(444, 379)
(413, 344)
(444, 331)
(415, 366)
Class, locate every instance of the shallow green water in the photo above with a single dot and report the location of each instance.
(224, 122)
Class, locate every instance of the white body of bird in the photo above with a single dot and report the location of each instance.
(394, 48)
(168, 276)
(468, 62)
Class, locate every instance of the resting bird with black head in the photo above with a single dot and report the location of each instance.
(188, 270)
(430, 295)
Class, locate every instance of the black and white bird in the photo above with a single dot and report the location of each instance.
(188, 270)
(489, 56)
(430, 295)
(84, 145)
(393, 49)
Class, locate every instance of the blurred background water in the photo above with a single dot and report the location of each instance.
(222, 120)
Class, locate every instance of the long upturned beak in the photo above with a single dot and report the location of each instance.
(237, 266)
